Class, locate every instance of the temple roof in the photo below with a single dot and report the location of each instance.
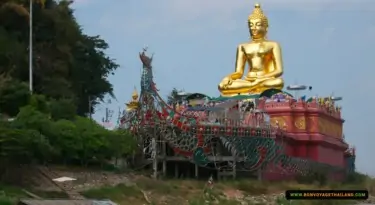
(270, 92)
(196, 96)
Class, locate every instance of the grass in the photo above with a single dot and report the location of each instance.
(194, 192)
(4, 200)
(50, 194)
(121, 194)
(201, 201)
(11, 191)
(9, 195)
(156, 191)
(156, 186)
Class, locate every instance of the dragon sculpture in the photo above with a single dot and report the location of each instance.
(191, 137)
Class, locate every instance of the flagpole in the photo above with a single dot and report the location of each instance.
(31, 47)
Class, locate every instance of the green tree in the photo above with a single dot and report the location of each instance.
(122, 143)
(91, 71)
(30, 118)
(66, 141)
(94, 138)
(40, 103)
(63, 109)
(22, 146)
(13, 95)
(173, 98)
(68, 64)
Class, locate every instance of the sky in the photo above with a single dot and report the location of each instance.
(326, 44)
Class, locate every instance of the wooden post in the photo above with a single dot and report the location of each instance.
(164, 144)
(176, 170)
(188, 170)
(155, 157)
(196, 172)
(260, 174)
(234, 167)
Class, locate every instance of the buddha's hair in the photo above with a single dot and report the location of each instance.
(258, 14)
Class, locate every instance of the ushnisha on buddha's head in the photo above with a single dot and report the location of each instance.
(258, 23)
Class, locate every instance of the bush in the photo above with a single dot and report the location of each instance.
(13, 96)
(355, 178)
(44, 131)
(4, 200)
(312, 177)
(63, 109)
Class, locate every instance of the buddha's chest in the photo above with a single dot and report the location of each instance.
(257, 50)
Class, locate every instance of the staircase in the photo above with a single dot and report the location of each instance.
(64, 186)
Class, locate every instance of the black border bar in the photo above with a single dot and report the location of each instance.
(326, 194)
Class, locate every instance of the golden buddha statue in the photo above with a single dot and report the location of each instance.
(264, 59)
(133, 104)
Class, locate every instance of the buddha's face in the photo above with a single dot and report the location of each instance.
(257, 28)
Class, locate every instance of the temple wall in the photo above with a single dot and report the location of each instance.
(313, 131)
(274, 172)
(301, 150)
(316, 151)
(289, 149)
(313, 152)
(330, 156)
(320, 153)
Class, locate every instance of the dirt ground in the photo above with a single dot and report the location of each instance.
(138, 189)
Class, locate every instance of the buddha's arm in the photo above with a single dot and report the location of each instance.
(277, 62)
(240, 64)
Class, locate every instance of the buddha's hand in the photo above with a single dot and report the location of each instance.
(251, 79)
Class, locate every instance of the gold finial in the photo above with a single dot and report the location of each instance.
(135, 94)
(133, 104)
(258, 14)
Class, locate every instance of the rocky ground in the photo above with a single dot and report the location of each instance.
(138, 189)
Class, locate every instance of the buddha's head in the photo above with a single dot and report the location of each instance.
(258, 23)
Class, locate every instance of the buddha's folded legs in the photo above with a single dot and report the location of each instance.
(277, 83)
(244, 86)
